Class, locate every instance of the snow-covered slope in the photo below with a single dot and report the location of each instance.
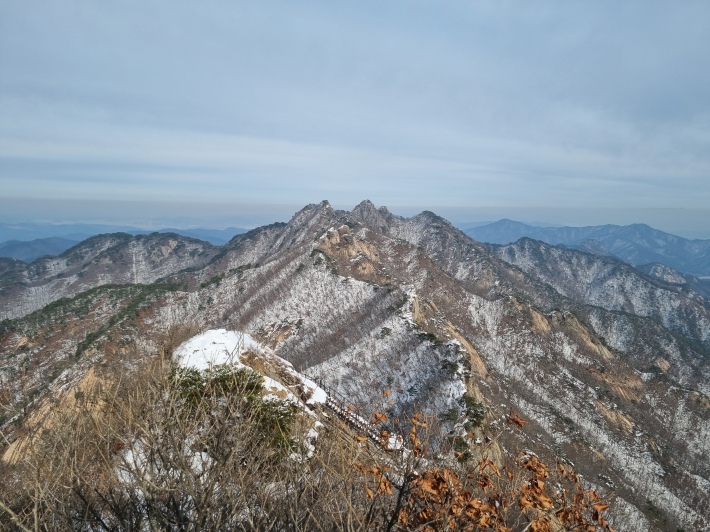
(105, 259)
(612, 285)
(608, 364)
(219, 347)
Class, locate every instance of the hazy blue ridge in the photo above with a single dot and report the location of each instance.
(213, 236)
(27, 231)
(29, 241)
(637, 244)
(34, 249)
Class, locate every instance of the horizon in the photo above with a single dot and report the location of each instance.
(686, 223)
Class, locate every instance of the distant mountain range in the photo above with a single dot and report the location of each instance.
(28, 242)
(34, 249)
(213, 236)
(656, 253)
(636, 244)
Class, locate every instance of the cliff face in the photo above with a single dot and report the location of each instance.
(610, 365)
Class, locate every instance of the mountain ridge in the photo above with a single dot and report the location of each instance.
(637, 244)
(368, 300)
(34, 249)
(77, 232)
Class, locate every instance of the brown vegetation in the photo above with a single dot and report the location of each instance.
(176, 450)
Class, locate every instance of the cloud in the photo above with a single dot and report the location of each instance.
(490, 103)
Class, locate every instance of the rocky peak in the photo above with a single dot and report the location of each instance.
(432, 219)
(315, 214)
(378, 219)
(311, 211)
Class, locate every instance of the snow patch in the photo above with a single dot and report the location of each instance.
(215, 347)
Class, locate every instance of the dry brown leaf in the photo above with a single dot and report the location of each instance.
(385, 487)
(545, 501)
(514, 419)
(484, 482)
(541, 525)
(600, 507)
(490, 465)
(380, 418)
(418, 420)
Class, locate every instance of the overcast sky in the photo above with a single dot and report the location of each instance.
(561, 112)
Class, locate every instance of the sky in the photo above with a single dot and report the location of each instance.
(231, 112)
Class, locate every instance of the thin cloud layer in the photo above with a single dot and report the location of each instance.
(595, 105)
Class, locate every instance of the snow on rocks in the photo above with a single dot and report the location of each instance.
(281, 381)
(215, 347)
(219, 347)
(407, 310)
(318, 395)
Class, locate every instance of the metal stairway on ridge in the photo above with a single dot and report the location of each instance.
(349, 415)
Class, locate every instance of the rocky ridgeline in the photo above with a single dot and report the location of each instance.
(609, 364)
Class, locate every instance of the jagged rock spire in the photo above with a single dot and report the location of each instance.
(369, 215)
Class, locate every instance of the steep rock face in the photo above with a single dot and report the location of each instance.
(369, 301)
(379, 220)
(105, 259)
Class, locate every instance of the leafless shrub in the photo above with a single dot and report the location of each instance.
(175, 449)
(176, 335)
